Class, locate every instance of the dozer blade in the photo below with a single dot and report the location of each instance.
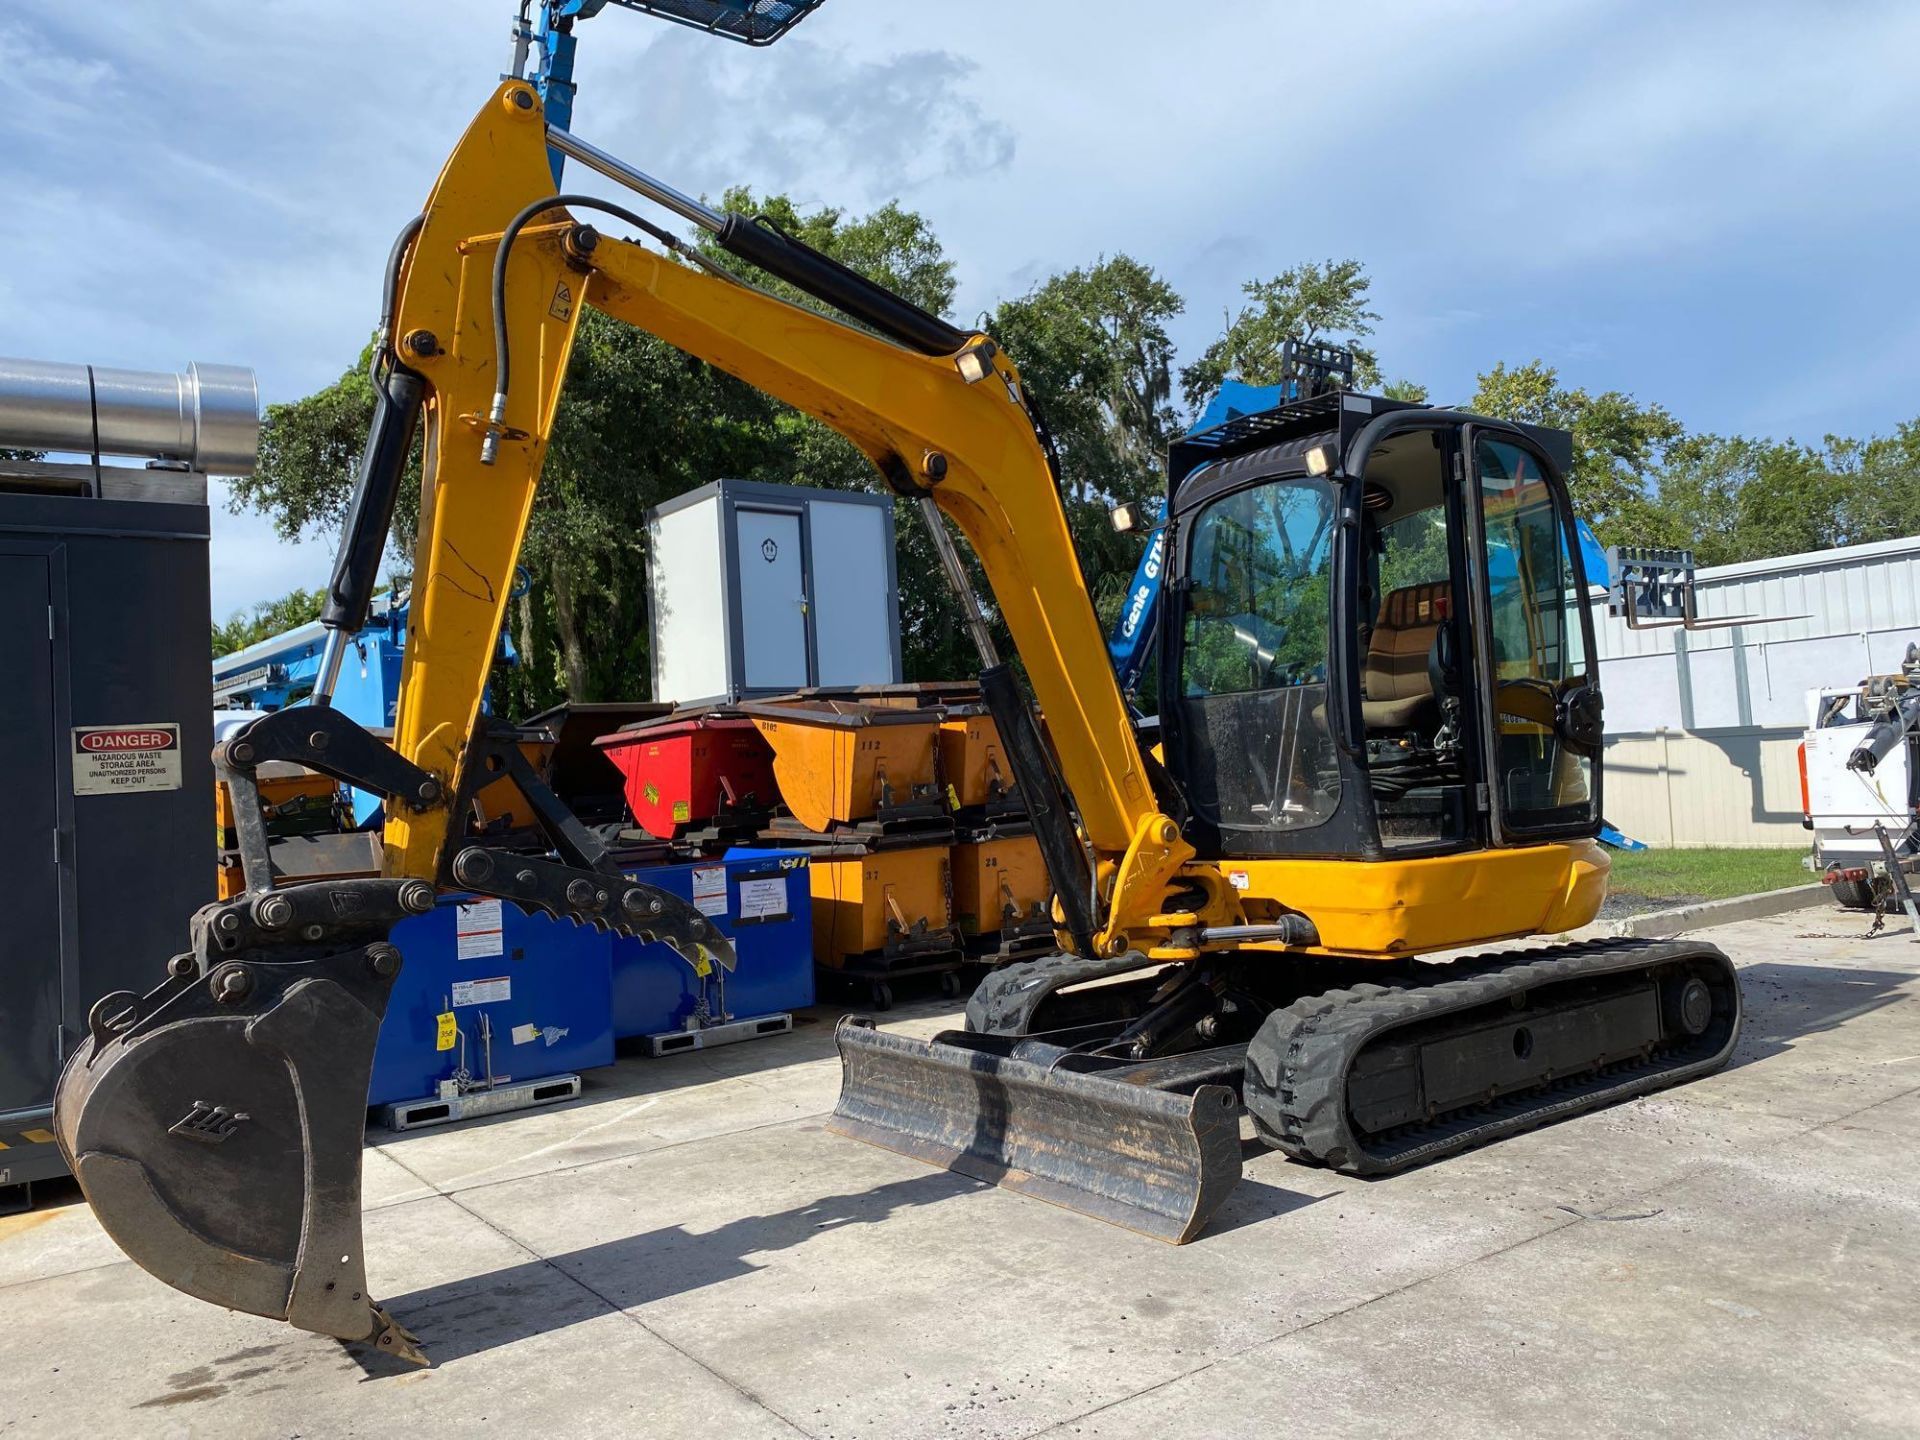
(1154, 1161)
(216, 1123)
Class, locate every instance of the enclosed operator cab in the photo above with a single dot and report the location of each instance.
(1378, 643)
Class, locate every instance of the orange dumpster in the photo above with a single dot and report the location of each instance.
(1000, 885)
(973, 763)
(842, 762)
(881, 903)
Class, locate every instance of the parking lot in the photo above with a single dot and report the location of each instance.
(688, 1250)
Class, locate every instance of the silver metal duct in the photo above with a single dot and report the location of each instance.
(207, 416)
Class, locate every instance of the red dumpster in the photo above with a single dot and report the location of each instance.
(682, 773)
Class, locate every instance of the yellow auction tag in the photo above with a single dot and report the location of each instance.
(953, 798)
(702, 966)
(446, 1032)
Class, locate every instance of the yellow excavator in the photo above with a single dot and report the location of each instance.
(1378, 738)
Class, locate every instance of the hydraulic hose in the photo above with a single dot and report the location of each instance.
(503, 370)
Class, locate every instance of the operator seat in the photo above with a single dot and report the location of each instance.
(1396, 684)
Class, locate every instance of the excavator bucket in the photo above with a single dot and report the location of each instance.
(216, 1123)
(1157, 1161)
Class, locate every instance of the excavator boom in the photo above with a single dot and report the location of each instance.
(216, 1122)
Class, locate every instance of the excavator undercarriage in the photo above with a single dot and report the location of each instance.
(1123, 1099)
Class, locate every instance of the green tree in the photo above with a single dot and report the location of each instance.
(1880, 484)
(1308, 302)
(1731, 499)
(1617, 443)
(267, 619)
(1096, 359)
(1092, 346)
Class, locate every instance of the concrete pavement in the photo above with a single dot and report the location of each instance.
(688, 1250)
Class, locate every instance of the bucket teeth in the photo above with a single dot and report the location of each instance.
(390, 1337)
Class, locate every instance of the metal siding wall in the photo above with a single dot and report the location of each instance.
(1861, 607)
(1675, 790)
(1701, 744)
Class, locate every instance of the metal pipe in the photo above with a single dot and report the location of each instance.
(958, 582)
(331, 656)
(658, 191)
(1289, 930)
(207, 417)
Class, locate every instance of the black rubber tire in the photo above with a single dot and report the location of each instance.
(950, 984)
(1853, 894)
(881, 994)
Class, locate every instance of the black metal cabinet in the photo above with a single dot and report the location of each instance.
(106, 836)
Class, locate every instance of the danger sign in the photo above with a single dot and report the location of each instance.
(117, 759)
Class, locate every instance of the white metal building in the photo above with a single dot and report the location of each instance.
(1702, 726)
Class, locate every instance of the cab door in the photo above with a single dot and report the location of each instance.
(1532, 644)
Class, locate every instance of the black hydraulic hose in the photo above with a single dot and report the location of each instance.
(1044, 433)
(389, 298)
(502, 362)
(402, 243)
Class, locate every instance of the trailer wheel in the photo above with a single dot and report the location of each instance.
(1853, 894)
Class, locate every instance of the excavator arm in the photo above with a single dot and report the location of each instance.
(951, 426)
(215, 1123)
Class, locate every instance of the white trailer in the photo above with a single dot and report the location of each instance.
(1858, 776)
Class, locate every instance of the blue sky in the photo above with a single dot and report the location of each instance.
(1714, 205)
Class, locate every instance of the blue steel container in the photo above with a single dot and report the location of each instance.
(545, 985)
(763, 901)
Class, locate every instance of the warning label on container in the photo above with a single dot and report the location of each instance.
(764, 899)
(479, 930)
(710, 889)
(482, 992)
(119, 759)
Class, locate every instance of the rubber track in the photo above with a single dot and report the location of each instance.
(1297, 1065)
(1004, 1002)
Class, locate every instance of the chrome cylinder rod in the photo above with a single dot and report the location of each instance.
(958, 582)
(658, 191)
(331, 657)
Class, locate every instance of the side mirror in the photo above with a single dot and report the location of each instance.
(1580, 721)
